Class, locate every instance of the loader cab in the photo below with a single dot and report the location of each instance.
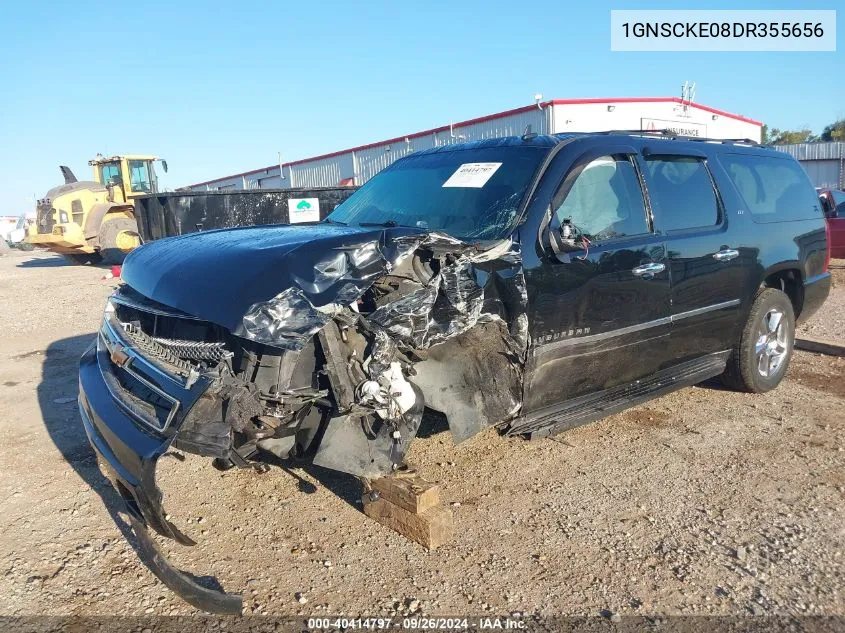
(127, 176)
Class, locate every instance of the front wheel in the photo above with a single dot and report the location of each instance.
(118, 236)
(760, 357)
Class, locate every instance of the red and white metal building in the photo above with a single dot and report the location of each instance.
(356, 165)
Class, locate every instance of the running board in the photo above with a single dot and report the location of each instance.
(583, 409)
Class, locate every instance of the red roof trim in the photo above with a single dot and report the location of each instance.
(482, 119)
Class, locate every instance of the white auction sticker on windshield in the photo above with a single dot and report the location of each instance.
(472, 175)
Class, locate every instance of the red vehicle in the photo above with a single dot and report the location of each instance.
(833, 203)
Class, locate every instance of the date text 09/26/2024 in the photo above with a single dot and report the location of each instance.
(417, 623)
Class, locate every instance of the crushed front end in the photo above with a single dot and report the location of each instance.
(321, 343)
(414, 319)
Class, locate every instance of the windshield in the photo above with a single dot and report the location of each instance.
(139, 175)
(471, 194)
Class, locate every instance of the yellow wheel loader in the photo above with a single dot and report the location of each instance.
(94, 221)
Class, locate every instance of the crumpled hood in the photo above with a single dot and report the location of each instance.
(218, 275)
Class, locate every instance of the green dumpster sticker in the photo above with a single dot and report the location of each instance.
(303, 210)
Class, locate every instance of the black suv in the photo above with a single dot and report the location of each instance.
(530, 283)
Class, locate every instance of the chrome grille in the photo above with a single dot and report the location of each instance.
(194, 350)
(169, 336)
(151, 348)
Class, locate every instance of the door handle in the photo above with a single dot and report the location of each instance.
(726, 255)
(648, 270)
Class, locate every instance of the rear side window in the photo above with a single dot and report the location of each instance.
(773, 189)
(681, 193)
(605, 201)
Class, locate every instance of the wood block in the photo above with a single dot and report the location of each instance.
(430, 528)
(408, 491)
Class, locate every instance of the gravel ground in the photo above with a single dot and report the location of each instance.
(704, 501)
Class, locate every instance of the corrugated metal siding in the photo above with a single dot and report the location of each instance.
(270, 182)
(513, 125)
(327, 172)
(371, 161)
(814, 151)
(824, 173)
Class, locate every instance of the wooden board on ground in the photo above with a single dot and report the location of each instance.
(430, 528)
(821, 346)
(408, 504)
(408, 491)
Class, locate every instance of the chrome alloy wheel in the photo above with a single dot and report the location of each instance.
(772, 343)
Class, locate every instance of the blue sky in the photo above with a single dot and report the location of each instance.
(217, 88)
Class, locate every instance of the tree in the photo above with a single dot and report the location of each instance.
(785, 137)
(834, 132)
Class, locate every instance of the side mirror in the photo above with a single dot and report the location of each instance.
(563, 238)
(164, 165)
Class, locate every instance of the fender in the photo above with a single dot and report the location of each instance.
(99, 211)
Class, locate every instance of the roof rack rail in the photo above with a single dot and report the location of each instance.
(669, 134)
(724, 141)
(644, 132)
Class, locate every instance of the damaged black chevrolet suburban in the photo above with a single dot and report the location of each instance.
(530, 284)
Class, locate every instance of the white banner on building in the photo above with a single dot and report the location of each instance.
(303, 210)
(681, 128)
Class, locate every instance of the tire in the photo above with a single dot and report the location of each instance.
(83, 258)
(109, 230)
(761, 355)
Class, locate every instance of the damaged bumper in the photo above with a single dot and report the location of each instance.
(335, 369)
(129, 437)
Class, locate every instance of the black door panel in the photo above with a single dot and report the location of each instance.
(599, 298)
(707, 270)
(706, 292)
(594, 323)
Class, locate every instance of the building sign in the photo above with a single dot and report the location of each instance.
(303, 210)
(681, 128)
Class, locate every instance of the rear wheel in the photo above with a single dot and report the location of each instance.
(118, 236)
(761, 355)
(83, 258)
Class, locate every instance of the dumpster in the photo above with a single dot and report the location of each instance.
(174, 213)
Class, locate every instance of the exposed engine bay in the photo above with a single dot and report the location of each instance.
(418, 320)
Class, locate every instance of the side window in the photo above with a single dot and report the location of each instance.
(682, 193)
(605, 200)
(773, 189)
(110, 174)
